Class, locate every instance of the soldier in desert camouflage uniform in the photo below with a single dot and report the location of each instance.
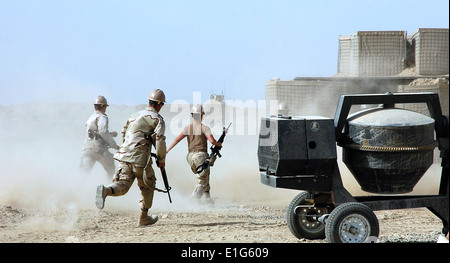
(142, 130)
(98, 140)
(198, 135)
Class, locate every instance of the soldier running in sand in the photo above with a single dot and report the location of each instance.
(142, 130)
(198, 135)
(98, 140)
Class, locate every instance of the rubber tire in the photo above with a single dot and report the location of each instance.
(332, 230)
(293, 221)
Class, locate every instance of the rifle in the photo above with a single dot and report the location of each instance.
(215, 151)
(164, 176)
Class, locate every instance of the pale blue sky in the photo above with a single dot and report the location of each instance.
(74, 50)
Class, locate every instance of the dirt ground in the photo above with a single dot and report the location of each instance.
(223, 223)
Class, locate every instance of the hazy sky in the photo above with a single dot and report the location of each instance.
(74, 50)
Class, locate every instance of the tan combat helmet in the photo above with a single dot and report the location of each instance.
(157, 95)
(197, 109)
(101, 101)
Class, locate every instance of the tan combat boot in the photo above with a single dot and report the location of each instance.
(145, 220)
(102, 193)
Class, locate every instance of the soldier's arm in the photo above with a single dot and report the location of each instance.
(210, 137)
(160, 142)
(124, 130)
(213, 141)
(104, 132)
(175, 141)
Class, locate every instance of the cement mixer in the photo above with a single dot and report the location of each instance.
(387, 149)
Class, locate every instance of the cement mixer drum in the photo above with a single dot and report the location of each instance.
(391, 149)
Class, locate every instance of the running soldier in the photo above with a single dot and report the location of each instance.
(98, 140)
(198, 135)
(142, 130)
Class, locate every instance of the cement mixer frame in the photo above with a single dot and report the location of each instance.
(327, 209)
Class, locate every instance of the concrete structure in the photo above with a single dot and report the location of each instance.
(377, 53)
(372, 62)
(345, 44)
(430, 47)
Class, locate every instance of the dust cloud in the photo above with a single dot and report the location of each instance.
(40, 154)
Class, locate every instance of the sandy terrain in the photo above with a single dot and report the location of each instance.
(225, 223)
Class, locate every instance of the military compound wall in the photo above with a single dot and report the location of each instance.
(373, 62)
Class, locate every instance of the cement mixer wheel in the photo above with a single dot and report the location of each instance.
(303, 223)
(352, 222)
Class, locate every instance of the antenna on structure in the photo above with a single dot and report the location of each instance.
(217, 97)
(220, 99)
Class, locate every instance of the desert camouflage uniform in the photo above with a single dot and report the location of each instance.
(134, 154)
(197, 144)
(98, 140)
(195, 159)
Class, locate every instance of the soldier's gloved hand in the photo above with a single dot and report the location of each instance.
(162, 165)
(113, 134)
